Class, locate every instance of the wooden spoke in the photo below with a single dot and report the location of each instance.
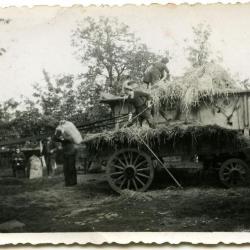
(227, 169)
(126, 159)
(120, 178)
(143, 169)
(123, 164)
(117, 166)
(128, 184)
(141, 163)
(136, 159)
(139, 180)
(143, 175)
(116, 173)
(122, 183)
(130, 157)
(135, 185)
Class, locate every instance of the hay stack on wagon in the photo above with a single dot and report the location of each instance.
(197, 85)
(177, 137)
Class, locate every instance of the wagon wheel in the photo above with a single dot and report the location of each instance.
(130, 169)
(233, 172)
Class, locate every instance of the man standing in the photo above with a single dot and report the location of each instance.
(139, 100)
(156, 72)
(153, 74)
(18, 163)
(48, 151)
(69, 137)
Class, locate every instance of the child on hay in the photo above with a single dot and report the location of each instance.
(156, 72)
(139, 100)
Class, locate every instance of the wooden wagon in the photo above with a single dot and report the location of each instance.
(211, 136)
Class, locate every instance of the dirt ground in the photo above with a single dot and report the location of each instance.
(45, 205)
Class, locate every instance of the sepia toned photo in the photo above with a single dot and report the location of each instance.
(124, 119)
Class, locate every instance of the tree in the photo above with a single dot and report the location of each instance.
(139, 60)
(7, 110)
(88, 97)
(26, 121)
(58, 97)
(199, 53)
(111, 51)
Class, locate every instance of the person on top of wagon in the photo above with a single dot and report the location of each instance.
(156, 72)
(128, 81)
(139, 99)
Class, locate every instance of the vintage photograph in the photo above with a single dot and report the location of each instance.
(125, 119)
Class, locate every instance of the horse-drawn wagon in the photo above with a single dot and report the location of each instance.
(212, 135)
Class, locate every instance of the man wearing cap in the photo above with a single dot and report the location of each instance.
(139, 100)
(156, 72)
(129, 82)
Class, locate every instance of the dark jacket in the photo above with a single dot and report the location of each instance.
(155, 72)
(47, 147)
(139, 101)
(68, 147)
(18, 160)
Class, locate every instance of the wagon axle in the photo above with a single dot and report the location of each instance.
(130, 171)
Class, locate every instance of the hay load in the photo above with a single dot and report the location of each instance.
(195, 85)
(189, 91)
(174, 135)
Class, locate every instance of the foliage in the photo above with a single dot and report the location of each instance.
(111, 51)
(7, 109)
(199, 53)
(57, 98)
(7, 112)
(27, 121)
(140, 60)
(40, 114)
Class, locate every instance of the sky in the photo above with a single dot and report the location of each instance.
(40, 38)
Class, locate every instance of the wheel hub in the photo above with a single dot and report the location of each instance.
(129, 171)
